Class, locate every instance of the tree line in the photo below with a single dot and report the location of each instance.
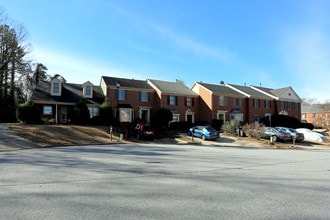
(19, 75)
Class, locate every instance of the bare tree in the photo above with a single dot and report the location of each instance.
(324, 116)
(309, 101)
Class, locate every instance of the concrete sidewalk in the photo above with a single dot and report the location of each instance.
(9, 141)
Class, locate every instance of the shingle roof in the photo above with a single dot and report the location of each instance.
(221, 89)
(316, 108)
(71, 93)
(175, 88)
(252, 92)
(127, 83)
(277, 92)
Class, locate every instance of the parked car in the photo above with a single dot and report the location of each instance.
(313, 136)
(267, 132)
(298, 136)
(144, 131)
(204, 132)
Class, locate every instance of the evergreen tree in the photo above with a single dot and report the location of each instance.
(81, 113)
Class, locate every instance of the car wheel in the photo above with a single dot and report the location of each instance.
(203, 137)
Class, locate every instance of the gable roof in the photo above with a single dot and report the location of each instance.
(126, 83)
(171, 88)
(219, 89)
(71, 94)
(250, 92)
(281, 93)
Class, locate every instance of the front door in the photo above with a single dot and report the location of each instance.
(144, 116)
(63, 115)
(189, 119)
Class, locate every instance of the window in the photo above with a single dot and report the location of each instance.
(172, 100)
(126, 115)
(237, 117)
(47, 110)
(88, 91)
(121, 95)
(256, 118)
(237, 102)
(296, 106)
(256, 103)
(268, 104)
(93, 112)
(144, 97)
(189, 101)
(175, 118)
(56, 88)
(281, 105)
(222, 100)
(289, 105)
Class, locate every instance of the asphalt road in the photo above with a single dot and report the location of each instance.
(158, 181)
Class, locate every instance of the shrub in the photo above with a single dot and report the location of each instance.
(231, 126)
(81, 112)
(281, 120)
(28, 113)
(252, 130)
(180, 126)
(216, 124)
(163, 117)
(106, 113)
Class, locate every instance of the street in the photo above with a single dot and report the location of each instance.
(164, 181)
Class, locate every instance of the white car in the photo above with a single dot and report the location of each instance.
(312, 136)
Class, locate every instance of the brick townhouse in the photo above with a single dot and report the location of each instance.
(133, 99)
(130, 98)
(182, 101)
(226, 102)
(316, 114)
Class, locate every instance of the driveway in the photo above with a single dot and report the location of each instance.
(9, 141)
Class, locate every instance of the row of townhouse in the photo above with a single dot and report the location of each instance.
(133, 99)
(316, 114)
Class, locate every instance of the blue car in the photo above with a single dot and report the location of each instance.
(204, 132)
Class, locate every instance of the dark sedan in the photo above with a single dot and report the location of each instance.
(276, 134)
(293, 133)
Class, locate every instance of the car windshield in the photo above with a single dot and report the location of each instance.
(292, 130)
(147, 128)
(210, 129)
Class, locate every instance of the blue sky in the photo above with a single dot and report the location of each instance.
(275, 43)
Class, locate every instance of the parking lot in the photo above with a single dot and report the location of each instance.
(164, 181)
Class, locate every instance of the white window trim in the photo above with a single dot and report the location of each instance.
(59, 89)
(189, 112)
(85, 91)
(126, 110)
(143, 108)
(47, 107)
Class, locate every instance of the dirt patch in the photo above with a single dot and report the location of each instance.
(59, 135)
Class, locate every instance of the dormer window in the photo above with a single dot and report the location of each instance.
(88, 90)
(56, 87)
